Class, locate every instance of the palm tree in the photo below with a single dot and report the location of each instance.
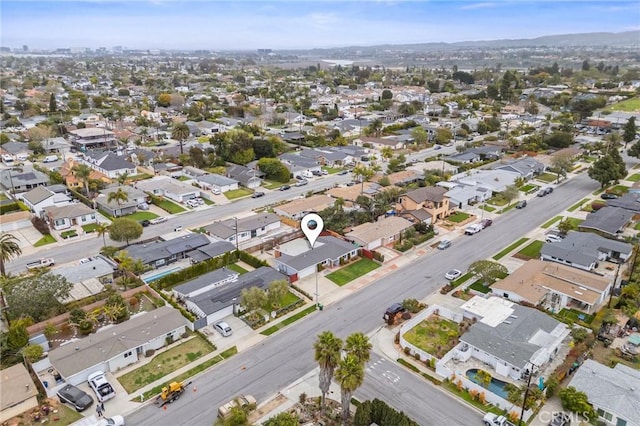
(118, 196)
(181, 132)
(327, 353)
(122, 178)
(82, 172)
(102, 229)
(359, 346)
(349, 375)
(8, 248)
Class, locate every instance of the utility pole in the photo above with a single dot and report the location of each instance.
(613, 287)
(526, 394)
(236, 236)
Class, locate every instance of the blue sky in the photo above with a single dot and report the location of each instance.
(243, 24)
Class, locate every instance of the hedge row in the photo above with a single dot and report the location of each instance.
(8, 208)
(378, 412)
(84, 200)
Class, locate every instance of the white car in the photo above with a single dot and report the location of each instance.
(215, 191)
(101, 386)
(223, 328)
(192, 203)
(453, 274)
(158, 220)
(553, 238)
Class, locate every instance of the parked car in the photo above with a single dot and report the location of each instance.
(553, 238)
(343, 172)
(473, 229)
(158, 220)
(324, 172)
(257, 195)
(393, 310)
(444, 244)
(521, 204)
(143, 206)
(285, 187)
(486, 223)
(75, 397)
(302, 182)
(453, 274)
(192, 203)
(101, 386)
(560, 419)
(145, 223)
(608, 196)
(216, 191)
(223, 328)
(246, 402)
(545, 191)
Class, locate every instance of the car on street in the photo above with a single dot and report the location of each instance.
(285, 187)
(393, 310)
(486, 223)
(608, 196)
(223, 328)
(245, 402)
(145, 222)
(77, 398)
(257, 194)
(560, 419)
(453, 274)
(553, 238)
(343, 172)
(302, 182)
(444, 244)
(158, 220)
(351, 183)
(473, 229)
(545, 191)
(521, 204)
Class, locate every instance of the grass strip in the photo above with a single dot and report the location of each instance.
(551, 222)
(577, 205)
(504, 252)
(285, 322)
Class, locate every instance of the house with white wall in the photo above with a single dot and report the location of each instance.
(74, 214)
(248, 227)
(168, 187)
(41, 198)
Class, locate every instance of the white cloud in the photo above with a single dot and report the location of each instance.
(474, 6)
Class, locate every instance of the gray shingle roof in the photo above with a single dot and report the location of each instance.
(326, 248)
(615, 390)
(218, 180)
(609, 220)
(510, 341)
(226, 228)
(205, 280)
(582, 247)
(163, 249)
(211, 251)
(629, 201)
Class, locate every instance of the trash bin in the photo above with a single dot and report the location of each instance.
(45, 383)
(320, 306)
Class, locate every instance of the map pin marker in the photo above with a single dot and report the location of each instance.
(312, 225)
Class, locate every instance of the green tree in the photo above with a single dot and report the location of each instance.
(180, 132)
(274, 169)
(634, 151)
(9, 248)
(419, 134)
(510, 193)
(120, 196)
(358, 345)
(37, 296)
(604, 171)
(53, 107)
(565, 226)
(327, 349)
(629, 131)
(283, 419)
(443, 135)
(349, 375)
(102, 229)
(122, 178)
(253, 298)
(164, 100)
(237, 417)
(33, 352)
(576, 401)
(488, 270)
(277, 291)
(17, 335)
(124, 229)
(82, 173)
(363, 174)
(561, 164)
(386, 94)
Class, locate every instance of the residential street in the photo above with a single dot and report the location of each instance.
(286, 356)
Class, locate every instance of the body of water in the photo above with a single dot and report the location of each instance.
(496, 386)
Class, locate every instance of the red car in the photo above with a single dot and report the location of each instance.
(486, 222)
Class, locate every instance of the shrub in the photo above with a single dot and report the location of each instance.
(416, 356)
(41, 225)
(407, 350)
(412, 305)
(149, 353)
(406, 315)
(8, 208)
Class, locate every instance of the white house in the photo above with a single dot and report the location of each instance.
(109, 164)
(384, 231)
(514, 340)
(40, 198)
(64, 217)
(248, 227)
(170, 188)
(113, 348)
(217, 182)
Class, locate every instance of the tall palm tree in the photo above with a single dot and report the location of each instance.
(122, 178)
(118, 196)
(102, 229)
(180, 132)
(350, 376)
(82, 172)
(359, 346)
(327, 353)
(8, 248)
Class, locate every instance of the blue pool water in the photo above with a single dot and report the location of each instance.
(496, 386)
(159, 275)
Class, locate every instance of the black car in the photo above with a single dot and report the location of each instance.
(392, 311)
(285, 187)
(257, 195)
(560, 419)
(75, 397)
(608, 196)
(145, 223)
(521, 204)
(343, 172)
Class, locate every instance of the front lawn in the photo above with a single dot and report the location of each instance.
(455, 283)
(529, 188)
(531, 251)
(510, 248)
(170, 206)
(551, 222)
(141, 215)
(183, 178)
(487, 208)
(574, 221)
(458, 217)
(165, 363)
(285, 322)
(237, 268)
(271, 184)
(547, 177)
(634, 178)
(629, 105)
(497, 201)
(331, 170)
(352, 271)
(435, 335)
(69, 234)
(619, 189)
(90, 227)
(577, 205)
(238, 193)
(480, 287)
(46, 239)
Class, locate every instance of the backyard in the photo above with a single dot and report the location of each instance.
(166, 363)
(352, 271)
(435, 335)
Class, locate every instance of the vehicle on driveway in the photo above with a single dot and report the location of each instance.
(78, 399)
(491, 419)
(453, 274)
(145, 223)
(521, 204)
(486, 223)
(101, 386)
(392, 311)
(553, 238)
(223, 328)
(608, 196)
(444, 244)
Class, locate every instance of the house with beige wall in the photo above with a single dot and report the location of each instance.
(431, 199)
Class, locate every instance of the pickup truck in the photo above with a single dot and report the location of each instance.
(473, 229)
(491, 419)
(101, 386)
(41, 263)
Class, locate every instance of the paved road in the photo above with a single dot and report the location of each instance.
(69, 252)
(286, 356)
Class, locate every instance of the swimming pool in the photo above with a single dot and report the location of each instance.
(496, 386)
(159, 275)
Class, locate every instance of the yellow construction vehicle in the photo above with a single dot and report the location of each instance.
(171, 393)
